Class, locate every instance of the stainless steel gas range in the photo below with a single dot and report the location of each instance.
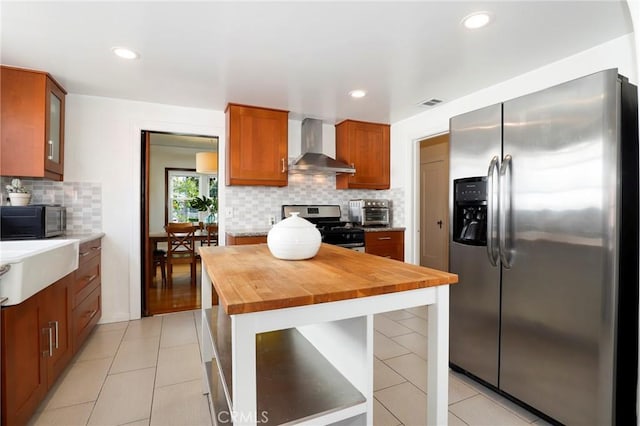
(327, 220)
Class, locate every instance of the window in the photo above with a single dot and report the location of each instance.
(183, 185)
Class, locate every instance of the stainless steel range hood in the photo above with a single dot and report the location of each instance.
(312, 160)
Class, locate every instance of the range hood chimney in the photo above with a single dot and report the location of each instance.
(312, 160)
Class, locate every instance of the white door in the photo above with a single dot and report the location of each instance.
(434, 202)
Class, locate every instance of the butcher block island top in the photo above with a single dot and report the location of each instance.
(249, 279)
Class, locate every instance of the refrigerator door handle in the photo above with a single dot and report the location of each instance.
(492, 246)
(504, 209)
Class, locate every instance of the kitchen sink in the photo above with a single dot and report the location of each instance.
(34, 265)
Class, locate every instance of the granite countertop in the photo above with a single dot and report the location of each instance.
(82, 238)
(384, 228)
(248, 233)
(264, 232)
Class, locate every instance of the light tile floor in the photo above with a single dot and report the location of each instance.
(147, 372)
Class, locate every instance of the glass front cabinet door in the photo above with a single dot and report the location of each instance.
(54, 127)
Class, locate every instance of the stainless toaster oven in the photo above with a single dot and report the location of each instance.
(367, 212)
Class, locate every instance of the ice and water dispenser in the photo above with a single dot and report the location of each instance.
(470, 211)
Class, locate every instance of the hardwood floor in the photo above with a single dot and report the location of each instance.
(181, 297)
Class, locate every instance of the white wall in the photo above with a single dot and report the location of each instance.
(164, 157)
(618, 53)
(102, 144)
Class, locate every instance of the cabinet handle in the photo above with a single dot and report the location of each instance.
(86, 253)
(384, 238)
(54, 324)
(92, 314)
(90, 278)
(50, 156)
(48, 331)
(284, 168)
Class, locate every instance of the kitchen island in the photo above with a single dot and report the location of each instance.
(292, 341)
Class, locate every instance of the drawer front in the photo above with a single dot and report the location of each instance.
(85, 317)
(383, 238)
(237, 241)
(89, 250)
(87, 279)
(388, 244)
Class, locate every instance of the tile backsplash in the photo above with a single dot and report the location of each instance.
(83, 201)
(252, 205)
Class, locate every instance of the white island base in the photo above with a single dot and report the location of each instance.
(312, 364)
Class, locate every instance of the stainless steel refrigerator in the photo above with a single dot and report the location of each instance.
(544, 238)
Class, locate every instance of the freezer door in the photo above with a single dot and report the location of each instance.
(475, 301)
(559, 282)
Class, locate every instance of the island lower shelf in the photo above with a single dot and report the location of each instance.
(295, 382)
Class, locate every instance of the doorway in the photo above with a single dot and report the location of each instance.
(169, 182)
(434, 202)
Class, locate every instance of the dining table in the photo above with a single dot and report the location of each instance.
(162, 237)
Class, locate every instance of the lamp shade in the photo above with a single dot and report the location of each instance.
(207, 162)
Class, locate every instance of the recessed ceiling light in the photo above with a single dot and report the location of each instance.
(124, 53)
(357, 93)
(476, 20)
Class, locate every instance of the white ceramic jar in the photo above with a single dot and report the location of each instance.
(294, 238)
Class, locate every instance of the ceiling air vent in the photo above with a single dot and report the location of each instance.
(430, 102)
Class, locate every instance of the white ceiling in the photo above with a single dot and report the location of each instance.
(300, 56)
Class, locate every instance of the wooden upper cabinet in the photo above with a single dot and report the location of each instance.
(54, 129)
(32, 118)
(257, 147)
(367, 147)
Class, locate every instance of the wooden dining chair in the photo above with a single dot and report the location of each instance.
(181, 248)
(160, 260)
(212, 234)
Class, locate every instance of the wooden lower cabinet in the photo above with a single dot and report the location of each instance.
(31, 360)
(24, 382)
(237, 241)
(86, 293)
(56, 301)
(85, 317)
(388, 244)
(40, 335)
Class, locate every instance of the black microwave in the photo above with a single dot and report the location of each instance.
(32, 222)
